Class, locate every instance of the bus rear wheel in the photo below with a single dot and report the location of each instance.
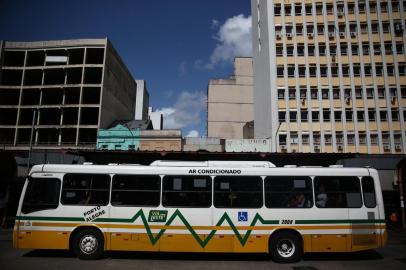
(285, 247)
(88, 244)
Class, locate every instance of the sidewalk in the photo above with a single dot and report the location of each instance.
(396, 236)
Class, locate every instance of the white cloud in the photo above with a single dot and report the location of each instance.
(186, 110)
(233, 39)
(193, 133)
(182, 69)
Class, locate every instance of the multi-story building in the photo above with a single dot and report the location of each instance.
(142, 101)
(330, 76)
(230, 102)
(57, 94)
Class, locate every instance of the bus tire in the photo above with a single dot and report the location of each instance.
(285, 247)
(88, 244)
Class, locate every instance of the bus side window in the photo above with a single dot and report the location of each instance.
(85, 189)
(136, 190)
(41, 194)
(368, 191)
(288, 192)
(337, 192)
(238, 192)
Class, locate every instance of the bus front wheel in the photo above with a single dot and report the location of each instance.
(285, 247)
(88, 244)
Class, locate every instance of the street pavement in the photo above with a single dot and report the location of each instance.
(393, 256)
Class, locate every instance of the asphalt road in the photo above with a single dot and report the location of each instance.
(393, 256)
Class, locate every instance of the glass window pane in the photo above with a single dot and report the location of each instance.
(238, 192)
(288, 192)
(186, 191)
(86, 189)
(41, 194)
(337, 192)
(368, 191)
(136, 190)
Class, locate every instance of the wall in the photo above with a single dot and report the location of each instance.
(118, 138)
(248, 145)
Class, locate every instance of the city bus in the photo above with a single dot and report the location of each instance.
(205, 206)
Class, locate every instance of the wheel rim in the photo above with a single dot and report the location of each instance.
(286, 248)
(88, 244)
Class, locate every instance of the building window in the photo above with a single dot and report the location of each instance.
(326, 115)
(339, 138)
(392, 92)
(299, 30)
(289, 50)
(336, 93)
(399, 47)
(282, 139)
(279, 50)
(357, 69)
(378, 70)
(358, 93)
(328, 139)
(388, 48)
(238, 192)
(351, 139)
(314, 93)
(282, 116)
(322, 50)
(298, 9)
(391, 70)
(300, 50)
(381, 92)
(351, 8)
(402, 69)
(348, 115)
(186, 191)
(361, 7)
(288, 10)
(367, 70)
(385, 28)
(375, 28)
(374, 139)
(302, 71)
(316, 138)
(395, 115)
(305, 138)
(360, 116)
(324, 93)
(312, 71)
(372, 115)
(372, 7)
(294, 139)
(337, 116)
(292, 116)
(303, 93)
(403, 91)
(291, 70)
(354, 49)
(304, 116)
(347, 93)
(281, 93)
(277, 10)
(310, 50)
(362, 138)
(323, 71)
(370, 93)
(279, 71)
(292, 93)
(308, 9)
(383, 115)
(384, 7)
(315, 116)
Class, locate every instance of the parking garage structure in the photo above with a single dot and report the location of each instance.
(57, 94)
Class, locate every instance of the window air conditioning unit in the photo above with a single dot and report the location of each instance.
(340, 147)
(310, 35)
(398, 147)
(331, 34)
(342, 34)
(353, 34)
(289, 35)
(278, 35)
(283, 147)
(386, 147)
(303, 101)
(340, 13)
(398, 27)
(347, 100)
(316, 147)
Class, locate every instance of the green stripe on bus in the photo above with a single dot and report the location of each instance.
(341, 221)
(224, 219)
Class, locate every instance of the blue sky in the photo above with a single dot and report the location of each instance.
(177, 46)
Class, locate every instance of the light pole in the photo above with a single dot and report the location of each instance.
(34, 116)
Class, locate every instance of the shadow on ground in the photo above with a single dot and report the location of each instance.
(369, 255)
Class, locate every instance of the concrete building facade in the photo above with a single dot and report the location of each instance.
(156, 118)
(161, 140)
(230, 102)
(142, 101)
(62, 91)
(330, 76)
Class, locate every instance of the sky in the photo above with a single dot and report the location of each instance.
(177, 46)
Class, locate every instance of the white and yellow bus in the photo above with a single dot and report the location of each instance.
(210, 206)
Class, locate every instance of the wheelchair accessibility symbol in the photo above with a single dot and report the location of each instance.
(242, 216)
